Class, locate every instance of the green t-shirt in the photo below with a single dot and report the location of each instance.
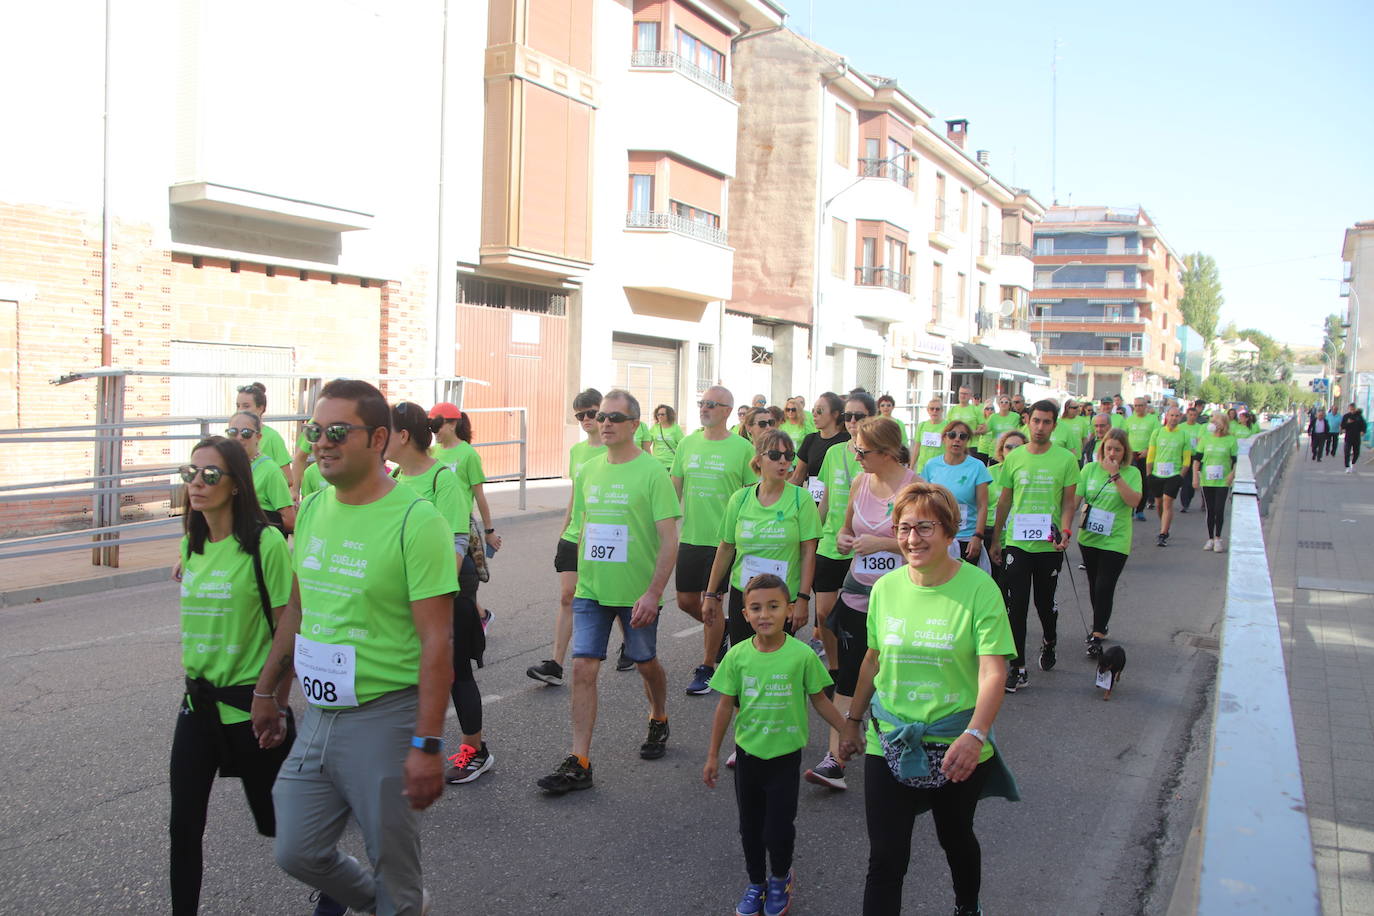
(1037, 483)
(621, 504)
(1139, 430)
(440, 487)
(1170, 454)
(1109, 526)
(1118, 420)
(928, 641)
(643, 435)
(994, 492)
(1218, 455)
(1082, 428)
(359, 568)
(711, 472)
(312, 480)
(578, 457)
(1241, 431)
(1195, 432)
(768, 539)
(773, 689)
(795, 431)
(270, 485)
(274, 447)
(901, 427)
(665, 443)
(971, 414)
(1065, 435)
(998, 424)
(466, 466)
(929, 442)
(224, 633)
(839, 470)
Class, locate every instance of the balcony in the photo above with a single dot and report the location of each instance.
(667, 60)
(640, 219)
(1129, 249)
(669, 255)
(882, 276)
(1089, 284)
(882, 168)
(987, 253)
(1089, 319)
(1095, 357)
(939, 234)
(1015, 250)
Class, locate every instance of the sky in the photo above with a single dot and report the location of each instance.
(1244, 130)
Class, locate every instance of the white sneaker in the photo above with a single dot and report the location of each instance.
(1219, 545)
(1207, 544)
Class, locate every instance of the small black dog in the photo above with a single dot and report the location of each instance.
(1110, 664)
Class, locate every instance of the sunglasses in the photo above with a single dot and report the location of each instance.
(711, 405)
(853, 417)
(935, 409)
(240, 432)
(584, 414)
(862, 453)
(957, 437)
(616, 417)
(763, 424)
(210, 473)
(789, 410)
(245, 389)
(774, 454)
(924, 529)
(334, 432)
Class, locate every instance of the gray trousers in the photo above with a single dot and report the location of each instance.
(351, 761)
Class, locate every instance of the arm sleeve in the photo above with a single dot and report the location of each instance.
(808, 516)
(470, 468)
(731, 517)
(664, 496)
(726, 679)
(814, 676)
(448, 500)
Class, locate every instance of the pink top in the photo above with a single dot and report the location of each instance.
(872, 516)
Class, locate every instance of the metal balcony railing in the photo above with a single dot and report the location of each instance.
(644, 219)
(1090, 319)
(882, 168)
(1124, 354)
(1100, 252)
(667, 60)
(1090, 284)
(1016, 250)
(882, 276)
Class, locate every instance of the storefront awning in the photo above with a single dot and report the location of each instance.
(973, 359)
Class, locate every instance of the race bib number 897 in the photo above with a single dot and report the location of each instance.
(606, 543)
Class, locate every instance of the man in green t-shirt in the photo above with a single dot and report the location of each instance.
(628, 544)
(1194, 427)
(1169, 456)
(1140, 426)
(709, 467)
(1035, 511)
(966, 409)
(368, 631)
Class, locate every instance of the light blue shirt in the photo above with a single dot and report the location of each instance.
(962, 480)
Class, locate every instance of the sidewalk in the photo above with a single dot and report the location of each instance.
(1318, 538)
(63, 575)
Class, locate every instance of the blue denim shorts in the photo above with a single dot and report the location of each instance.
(592, 631)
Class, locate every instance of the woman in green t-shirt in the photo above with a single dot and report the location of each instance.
(226, 632)
(666, 435)
(1214, 469)
(939, 639)
(1109, 487)
(273, 494)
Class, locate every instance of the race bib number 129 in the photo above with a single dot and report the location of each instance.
(1031, 526)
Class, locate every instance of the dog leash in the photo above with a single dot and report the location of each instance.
(1068, 564)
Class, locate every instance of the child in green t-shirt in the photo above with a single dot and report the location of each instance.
(769, 676)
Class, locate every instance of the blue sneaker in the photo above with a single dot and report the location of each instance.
(701, 681)
(326, 905)
(751, 904)
(778, 900)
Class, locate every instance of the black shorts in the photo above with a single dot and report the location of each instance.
(851, 643)
(830, 573)
(694, 567)
(1165, 486)
(565, 556)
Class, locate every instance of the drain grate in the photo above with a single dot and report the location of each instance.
(1316, 511)
(1316, 545)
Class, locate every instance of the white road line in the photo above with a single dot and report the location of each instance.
(491, 698)
(696, 628)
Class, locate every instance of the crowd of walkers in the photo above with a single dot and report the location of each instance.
(350, 567)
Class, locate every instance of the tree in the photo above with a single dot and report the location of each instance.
(1202, 300)
(1187, 383)
(1217, 389)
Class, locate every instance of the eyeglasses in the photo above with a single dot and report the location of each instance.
(210, 473)
(334, 432)
(853, 417)
(616, 417)
(774, 454)
(712, 405)
(763, 424)
(956, 436)
(935, 409)
(660, 415)
(584, 414)
(924, 529)
(240, 432)
(789, 410)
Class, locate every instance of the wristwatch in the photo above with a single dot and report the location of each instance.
(852, 718)
(982, 738)
(715, 595)
(429, 745)
(490, 530)
(804, 595)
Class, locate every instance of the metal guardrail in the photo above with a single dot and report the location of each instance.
(667, 60)
(1089, 319)
(1256, 842)
(882, 276)
(885, 168)
(655, 219)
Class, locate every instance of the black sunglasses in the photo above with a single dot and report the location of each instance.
(853, 417)
(763, 424)
(774, 454)
(711, 405)
(584, 414)
(790, 409)
(957, 437)
(210, 473)
(616, 417)
(240, 432)
(862, 453)
(334, 432)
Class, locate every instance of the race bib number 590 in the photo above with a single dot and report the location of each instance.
(606, 543)
(326, 672)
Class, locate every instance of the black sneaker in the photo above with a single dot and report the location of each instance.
(975, 910)
(570, 775)
(656, 745)
(1011, 680)
(1047, 656)
(1094, 647)
(326, 905)
(1162, 540)
(622, 663)
(548, 671)
(1022, 681)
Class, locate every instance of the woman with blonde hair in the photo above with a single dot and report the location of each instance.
(1110, 487)
(1214, 468)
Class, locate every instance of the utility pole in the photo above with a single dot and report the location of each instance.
(1054, 122)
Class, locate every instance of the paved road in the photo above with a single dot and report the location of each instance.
(89, 688)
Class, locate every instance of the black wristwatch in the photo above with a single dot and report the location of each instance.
(804, 595)
(429, 745)
(490, 530)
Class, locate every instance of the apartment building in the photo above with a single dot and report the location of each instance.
(1357, 253)
(1105, 305)
(869, 243)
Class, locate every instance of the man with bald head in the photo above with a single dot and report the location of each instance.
(709, 466)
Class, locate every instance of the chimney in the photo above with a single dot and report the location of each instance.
(982, 157)
(957, 131)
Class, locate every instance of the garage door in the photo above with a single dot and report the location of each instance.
(647, 367)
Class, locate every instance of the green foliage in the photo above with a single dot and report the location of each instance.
(1217, 389)
(1273, 363)
(1188, 384)
(1202, 299)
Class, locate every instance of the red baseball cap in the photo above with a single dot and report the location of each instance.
(446, 410)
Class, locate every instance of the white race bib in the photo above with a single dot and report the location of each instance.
(1104, 679)
(875, 564)
(606, 543)
(930, 440)
(1165, 469)
(1031, 526)
(1215, 472)
(1100, 521)
(752, 566)
(816, 487)
(326, 672)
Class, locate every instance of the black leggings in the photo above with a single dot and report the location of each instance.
(1331, 442)
(890, 809)
(1104, 569)
(1318, 445)
(766, 794)
(1352, 450)
(851, 645)
(195, 761)
(467, 699)
(1214, 499)
(1024, 571)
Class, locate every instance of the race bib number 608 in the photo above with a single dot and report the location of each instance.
(326, 672)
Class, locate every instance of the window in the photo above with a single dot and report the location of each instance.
(1116, 279)
(937, 292)
(896, 256)
(700, 54)
(1164, 317)
(641, 193)
(963, 294)
(706, 367)
(870, 254)
(839, 239)
(646, 36)
(695, 214)
(1112, 312)
(1111, 344)
(1116, 244)
(983, 236)
(1161, 352)
(939, 202)
(1044, 246)
(963, 210)
(982, 297)
(842, 122)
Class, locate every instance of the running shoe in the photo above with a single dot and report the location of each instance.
(975, 910)
(829, 772)
(622, 662)
(1047, 656)
(778, 898)
(1094, 647)
(1139, 516)
(469, 763)
(1162, 540)
(1022, 680)
(548, 671)
(817, 646)
(1183, 509)
(701, 681)
(326, 905)
(751, 904)
(1218, 546)
(486, 622)
(1011, 680)
(730, 761)
(1207, 544)
(569, 776)
(656, 745)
